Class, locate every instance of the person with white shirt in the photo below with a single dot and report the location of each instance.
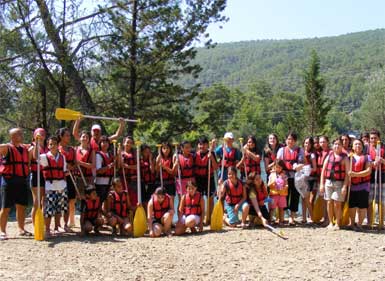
(56, 198)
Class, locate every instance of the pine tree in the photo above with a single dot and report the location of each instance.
(316, 105)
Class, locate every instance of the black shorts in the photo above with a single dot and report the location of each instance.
(202, 183)
(14, 191)
(147, 191)
(264, 211)
(359, 199)
(71, 191)
(169, 186)
(102, 191)
(33, 179)
(311, 184)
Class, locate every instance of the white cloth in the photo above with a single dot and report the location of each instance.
(101, 180)
(56, 185)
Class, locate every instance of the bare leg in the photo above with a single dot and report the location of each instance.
(338, 212)
(20, 216)
(4, 213)
(352, 216)
(330, 210)
(245, 212)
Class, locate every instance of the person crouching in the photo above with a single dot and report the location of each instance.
(159, 213)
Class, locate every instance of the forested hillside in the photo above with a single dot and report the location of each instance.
(346, 61)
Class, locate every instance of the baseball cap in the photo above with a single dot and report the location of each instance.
(96, 127)
(229, 135)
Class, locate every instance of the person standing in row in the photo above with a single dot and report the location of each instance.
(14, 186)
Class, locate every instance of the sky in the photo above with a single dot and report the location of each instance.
(294, 19)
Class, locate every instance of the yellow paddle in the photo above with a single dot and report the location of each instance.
(69, 114)
(380, 214)
(345, 211)
(217, 214)
(318, 210)
(140, 224)
(39, 218)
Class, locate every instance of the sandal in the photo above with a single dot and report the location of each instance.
(25, 233)
(3, 236)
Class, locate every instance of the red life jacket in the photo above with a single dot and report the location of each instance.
(147, 176)
(335, 169)
(54, 170)
(92, 208)
(308, 161)
(107, 159)
(321, 156)
(372, 153)
(68, 153)
(229, 157)
(119, 204)
(358, 166)
(290, 157)
(129, 158)
(261, 195)
(166, 162)
(94, 144)
(272, 155)
(201, 164)
(86, 157)
(193, 205)
(252, 165)
(160, 209)
(234, 194)
(186, 166)
(15, 163)
(43, 150)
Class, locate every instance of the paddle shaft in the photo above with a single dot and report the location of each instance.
(74, 182)
(138, 185)
(208, 185)
(108, 118)
(38, 171)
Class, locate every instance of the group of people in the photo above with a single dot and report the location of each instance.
(112, 179)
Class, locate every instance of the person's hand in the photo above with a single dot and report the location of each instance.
(322, 189)
(264, 221)
(236, 207)
(299, 167)
(121, 120)
(343, 191)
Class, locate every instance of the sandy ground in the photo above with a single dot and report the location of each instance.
(310, 253)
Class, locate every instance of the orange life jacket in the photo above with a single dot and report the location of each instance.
(193, 205)
(69, 154)
(321, 156)
(147, 176)
(166, 162)
(229, 157)
(54, 169)
(290, 157)
(160, 209)
(92, 208)
(86, 157)
(119, 204)
(335, 169)
(107, 159)
(359, 166)
(129, 158)
(201, 164)
(15, 163)
(186, 165)
(234, 194)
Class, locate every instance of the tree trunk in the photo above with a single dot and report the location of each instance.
(65, 61)
(43, 92)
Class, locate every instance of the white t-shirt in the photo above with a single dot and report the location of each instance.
(100, 179)
(55, 185)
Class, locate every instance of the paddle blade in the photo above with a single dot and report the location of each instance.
(39, 225)
(345, 215)
(318, 210)
(140, 225)
(217, 217)
(67, 114)
(373, 213)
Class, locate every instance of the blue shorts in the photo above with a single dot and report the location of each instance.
(233, 217)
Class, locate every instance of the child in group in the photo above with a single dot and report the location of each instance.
(90, 208)
(334, 181)
(147, 172)
(191, 209)
(118, 208)
(201, 170)
(278, 190)
(185, 163)
(56, 198)
(85, 160)
(310, 158)
(235, 198)
(164, 162)
(159, 213)
(33, 167)
(256, 195)
(127, 163)
(104, 169)
(251, 158)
